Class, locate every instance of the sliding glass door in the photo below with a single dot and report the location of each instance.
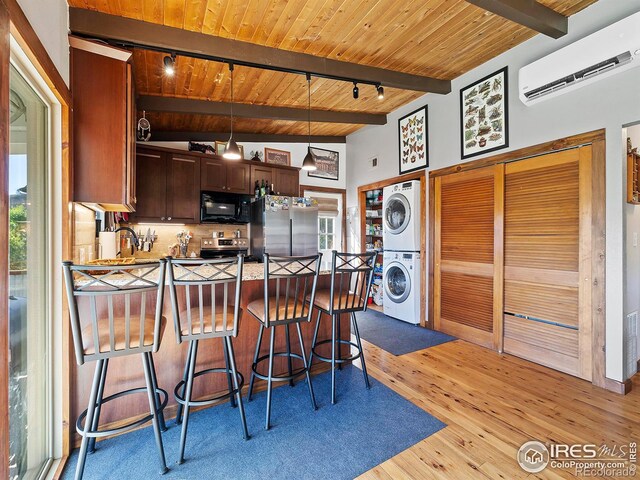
(29, 331)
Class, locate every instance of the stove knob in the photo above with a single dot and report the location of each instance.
(235, 242)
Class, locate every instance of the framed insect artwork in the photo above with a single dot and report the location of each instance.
(484, 115)
(413, 141)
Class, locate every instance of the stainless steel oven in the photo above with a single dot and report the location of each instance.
(216, 207)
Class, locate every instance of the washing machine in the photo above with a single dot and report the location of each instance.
(401, 286)
(401, 216)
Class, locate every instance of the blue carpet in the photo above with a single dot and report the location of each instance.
(395, 336)
(341, 441)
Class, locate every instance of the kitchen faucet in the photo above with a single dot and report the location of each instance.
(135, 241)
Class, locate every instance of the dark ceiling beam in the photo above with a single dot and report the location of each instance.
(529, 13)
(173, 136)
(130, 32)
(205, 107)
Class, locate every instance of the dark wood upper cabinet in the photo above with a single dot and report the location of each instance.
(239, 178)
(183, 189)
(103, 130)
(213, 174)
(287, 182)
(261, 172)
(168, 187)
(152, 184)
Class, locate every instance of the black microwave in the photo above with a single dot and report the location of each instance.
(216, 207)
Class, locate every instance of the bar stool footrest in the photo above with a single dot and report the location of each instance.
(338, 360)
(279, 378)
(211, 400)
(128, 426)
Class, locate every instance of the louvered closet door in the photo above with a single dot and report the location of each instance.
(468, 255)
(547, 251)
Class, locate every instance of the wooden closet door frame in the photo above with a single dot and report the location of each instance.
(597, 251)
(493, 339)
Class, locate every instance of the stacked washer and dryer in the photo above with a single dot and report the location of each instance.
(401, 240)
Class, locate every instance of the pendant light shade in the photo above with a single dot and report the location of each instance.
(231, 149)
(309, 162)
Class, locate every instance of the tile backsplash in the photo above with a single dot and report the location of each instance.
(84, 235)
(167, 236)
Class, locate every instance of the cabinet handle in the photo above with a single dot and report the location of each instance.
(162, 219)
(169, 218)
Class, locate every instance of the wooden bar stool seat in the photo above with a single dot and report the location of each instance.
(118, 322)
(351, 279)
(208, 308)
(295, 279)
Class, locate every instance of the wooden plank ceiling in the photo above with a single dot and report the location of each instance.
(437, 38)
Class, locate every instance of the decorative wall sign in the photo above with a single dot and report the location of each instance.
(414, 147)
(327, 163)
(277, 157)
(484, 114)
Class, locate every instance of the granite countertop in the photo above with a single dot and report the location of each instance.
(251, 271)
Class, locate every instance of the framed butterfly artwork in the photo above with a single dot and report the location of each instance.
(413, 141)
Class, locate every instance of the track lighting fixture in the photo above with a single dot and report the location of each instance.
(309, 162)
(231, 149)
(380, 90)
(356, 90)
(170, 64)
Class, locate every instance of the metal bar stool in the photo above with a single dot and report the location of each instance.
(351, 279)
(295, 280)
(211, 309)
(120, 324)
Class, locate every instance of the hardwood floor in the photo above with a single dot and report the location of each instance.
(492, 404)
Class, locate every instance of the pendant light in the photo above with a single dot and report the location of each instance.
(309, 162)
(231, 149)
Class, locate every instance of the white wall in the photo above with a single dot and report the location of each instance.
(50, 20)
(298, 152)
(610, 103)
(632, 252)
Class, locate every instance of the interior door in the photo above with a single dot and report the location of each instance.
(547, 253)
(468, 255)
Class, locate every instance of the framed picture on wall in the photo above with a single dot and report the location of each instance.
(484, 114)
(220, 148)
(327, 163)
(413, 143)
(277, 157)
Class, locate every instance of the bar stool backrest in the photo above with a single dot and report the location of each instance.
(211, 288)
(351, 279)
(296, 279)
(119, 311)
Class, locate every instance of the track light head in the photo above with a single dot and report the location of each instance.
(169, 65)
(356, 90)
(380, 90)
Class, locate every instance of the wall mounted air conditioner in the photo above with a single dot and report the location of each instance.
(606, 52)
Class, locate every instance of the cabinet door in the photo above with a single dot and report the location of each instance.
(213, 175)
(467, 278)
(287, 182)
(259, 173)
(151, 187)
(239, 178)
(183, 189)
(130, 134)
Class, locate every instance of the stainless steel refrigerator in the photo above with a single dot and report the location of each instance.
(284, 226)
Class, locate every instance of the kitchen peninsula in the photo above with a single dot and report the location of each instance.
(170, 358)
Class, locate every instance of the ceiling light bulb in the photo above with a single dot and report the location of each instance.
(169, 65)
(380, 90)
(356, 90)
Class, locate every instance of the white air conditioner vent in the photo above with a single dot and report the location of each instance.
(611, 50)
